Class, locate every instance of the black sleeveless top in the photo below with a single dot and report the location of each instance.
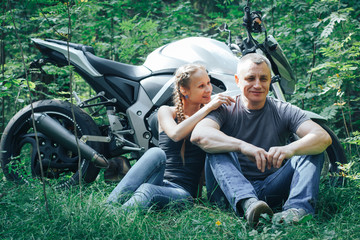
(186, 175)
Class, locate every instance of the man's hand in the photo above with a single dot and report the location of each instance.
(255, 154)
(276, 155)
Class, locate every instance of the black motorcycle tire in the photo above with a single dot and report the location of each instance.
(335, 153)
(19, 132)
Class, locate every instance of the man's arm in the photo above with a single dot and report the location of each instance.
(208, 136)
(313, 140)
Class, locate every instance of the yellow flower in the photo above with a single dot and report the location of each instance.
(218, 223)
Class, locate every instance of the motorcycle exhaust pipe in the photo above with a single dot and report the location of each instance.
(62, 136)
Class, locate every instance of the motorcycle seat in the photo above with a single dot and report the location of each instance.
(73, 45)
(109, 67)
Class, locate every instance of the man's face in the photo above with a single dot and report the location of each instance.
(254, 81)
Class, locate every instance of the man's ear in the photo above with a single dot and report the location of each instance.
(236, 79)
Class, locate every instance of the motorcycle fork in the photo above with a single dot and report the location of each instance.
(276, 88)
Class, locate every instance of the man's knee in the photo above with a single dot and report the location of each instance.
(227, 156)
(308, 161)
(320, 158)
(317, 159)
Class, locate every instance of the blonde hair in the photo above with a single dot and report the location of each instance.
(182, 79)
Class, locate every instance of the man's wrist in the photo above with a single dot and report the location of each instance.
(239, 146)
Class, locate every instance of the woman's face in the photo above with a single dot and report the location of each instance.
(200, 88)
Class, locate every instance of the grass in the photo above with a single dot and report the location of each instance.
(76, 214)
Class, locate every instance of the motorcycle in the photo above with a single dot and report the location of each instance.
(52, 135)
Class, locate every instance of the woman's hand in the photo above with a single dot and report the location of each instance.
(218, 100)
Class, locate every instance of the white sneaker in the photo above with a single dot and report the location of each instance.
(289, 216)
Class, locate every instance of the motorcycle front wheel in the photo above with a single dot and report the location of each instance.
(18, 147)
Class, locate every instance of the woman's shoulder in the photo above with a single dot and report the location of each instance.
(167, 109)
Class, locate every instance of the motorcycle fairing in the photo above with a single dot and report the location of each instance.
(157, 86)
(213, 54)
(127, 90)
(77, 57)
(137, 114)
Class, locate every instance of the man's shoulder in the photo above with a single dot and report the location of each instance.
(279, 104)
(276, 101)
(286, 110)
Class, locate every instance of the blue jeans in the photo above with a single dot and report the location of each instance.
(144, 184)
(296, 182)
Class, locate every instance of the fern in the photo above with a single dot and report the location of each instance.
(335, 17)
(329, 112)
(324, 65)
(355, 139)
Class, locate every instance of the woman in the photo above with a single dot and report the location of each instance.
(172, 172)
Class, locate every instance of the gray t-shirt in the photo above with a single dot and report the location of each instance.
(265, 128)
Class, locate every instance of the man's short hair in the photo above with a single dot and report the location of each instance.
(255, 58)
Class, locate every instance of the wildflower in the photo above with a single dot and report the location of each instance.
(218, 223)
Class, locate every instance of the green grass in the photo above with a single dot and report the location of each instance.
(76, 214)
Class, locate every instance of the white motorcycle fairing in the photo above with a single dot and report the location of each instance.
(218, 59)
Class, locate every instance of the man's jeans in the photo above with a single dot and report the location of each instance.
(296, 182)
(144, 184)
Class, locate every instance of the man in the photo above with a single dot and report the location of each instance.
(249, 164)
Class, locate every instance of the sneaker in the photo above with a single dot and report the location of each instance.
(289, 216)
(254, 211)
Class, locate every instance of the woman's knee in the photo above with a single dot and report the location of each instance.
(157, 154)
(145, 188)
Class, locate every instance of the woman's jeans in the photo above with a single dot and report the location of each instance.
(144, 184)
(296, 182)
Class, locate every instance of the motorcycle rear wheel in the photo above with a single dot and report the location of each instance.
(18, 147)
(335, 153)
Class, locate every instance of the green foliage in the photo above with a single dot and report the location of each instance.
(355, 139)
(340, 60)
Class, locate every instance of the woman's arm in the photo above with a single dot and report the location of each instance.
(177, 132)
